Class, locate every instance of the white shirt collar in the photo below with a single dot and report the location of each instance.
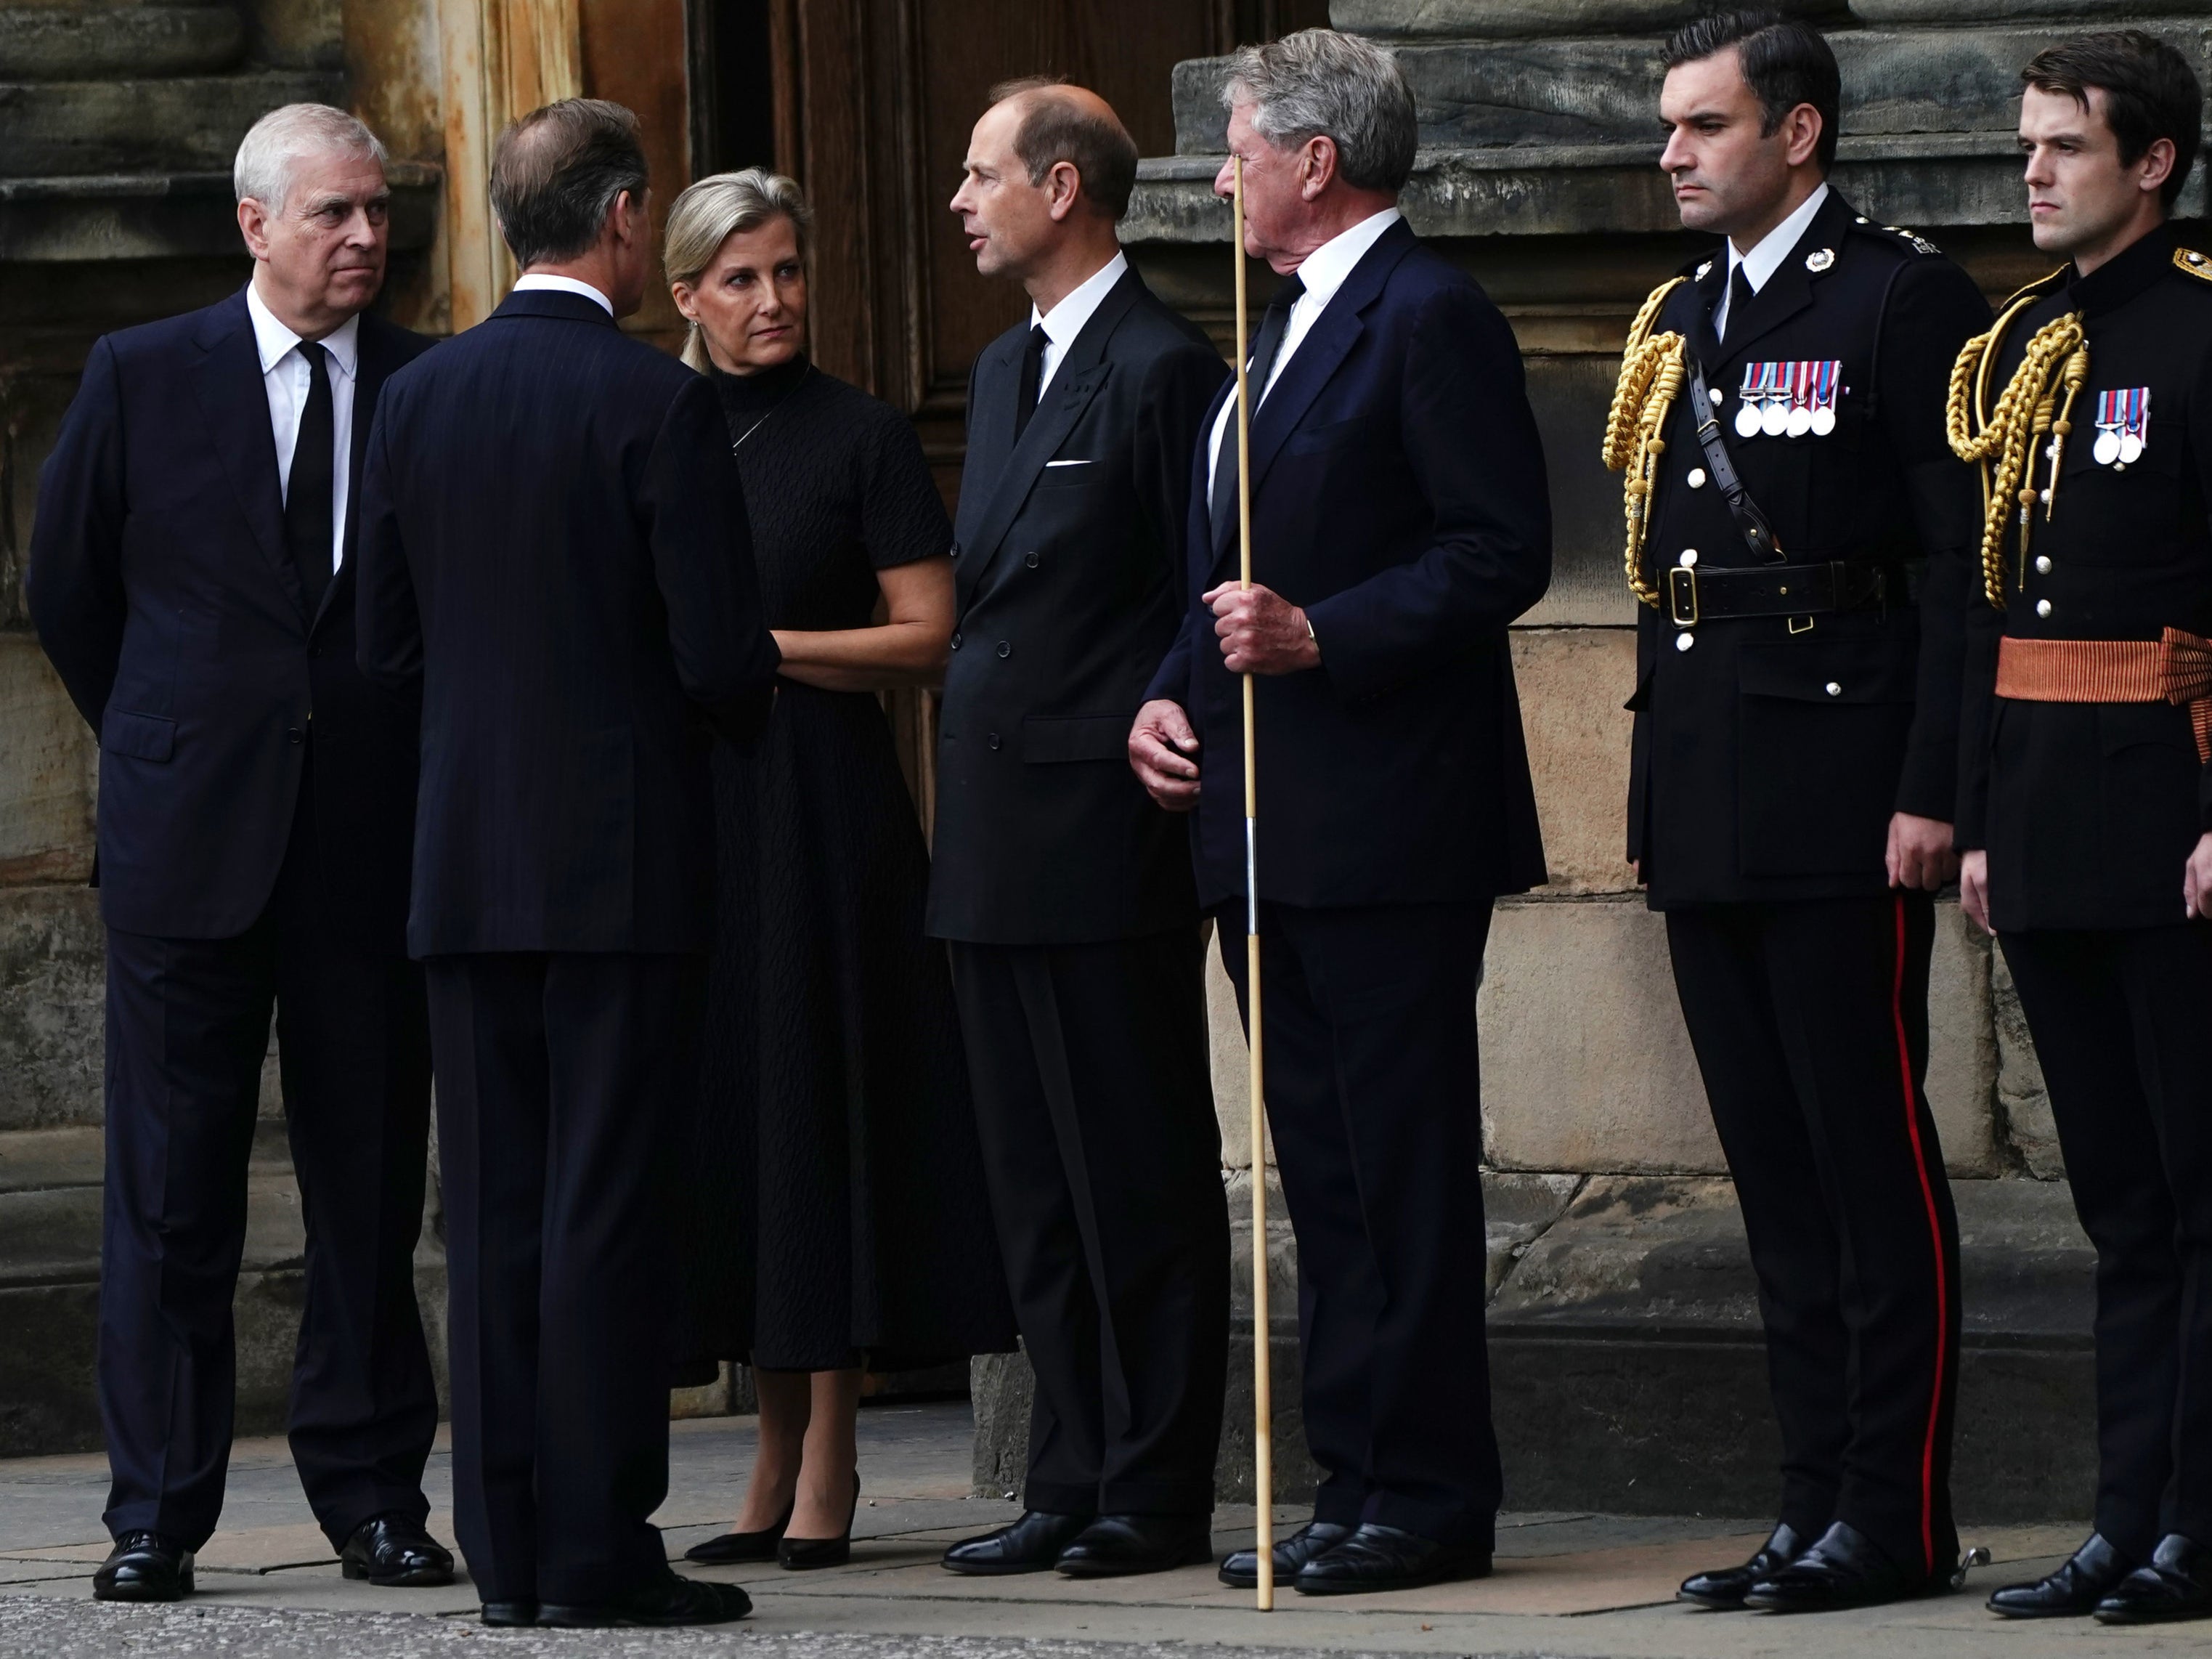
(1324, 269)
(1065, 320)
(1767, 256)
(275, 340)
(544, 279)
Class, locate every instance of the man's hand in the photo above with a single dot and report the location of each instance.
(1974, 888)
(1920, 853)
(2196, 880)
(1261, 632)
(1164, 754)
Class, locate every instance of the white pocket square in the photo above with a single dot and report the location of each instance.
(1067, 463)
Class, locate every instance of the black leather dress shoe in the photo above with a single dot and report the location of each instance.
(742, 1545)
(2176, 1584)
(391, 1549)
(2091, 1574)
(1031, 1544)
(144, 1566)
(1115, 1545)
(1242, 1570)
(1723, 1588)
(660, 1603)
(509, 1615)
(1380, 1558)
(1844, 1569)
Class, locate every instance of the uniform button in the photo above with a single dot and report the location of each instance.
(1684, 641)
(294, 734)
(2043, 607)
(992, 740)
(1005, 649)
(1717, 395)
(1834, 689)
(1029, 559)
(1697, 477)
(2043, 564)
(1689, 557)
(956, 641)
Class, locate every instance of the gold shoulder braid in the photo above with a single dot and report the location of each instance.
(2058, 355)
(1650, 379)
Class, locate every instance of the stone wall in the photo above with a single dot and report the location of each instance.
(1628, 1373)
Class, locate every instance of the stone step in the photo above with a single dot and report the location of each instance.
(85, 42)
(185, 123)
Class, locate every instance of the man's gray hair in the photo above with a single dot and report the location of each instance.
(283, 136)
(1318, 83)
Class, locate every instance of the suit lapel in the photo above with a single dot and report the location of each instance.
(371, 368)
(235, 404)
(1075, 381)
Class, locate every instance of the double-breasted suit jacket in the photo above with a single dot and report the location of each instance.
(1770, 751)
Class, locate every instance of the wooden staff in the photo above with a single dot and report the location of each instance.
(1263, 1445)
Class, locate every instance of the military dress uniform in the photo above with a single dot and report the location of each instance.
(1797, 682)
(2082, 778)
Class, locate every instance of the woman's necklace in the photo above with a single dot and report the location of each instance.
(738, 443)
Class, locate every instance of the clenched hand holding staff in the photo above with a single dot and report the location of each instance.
(1396, 489)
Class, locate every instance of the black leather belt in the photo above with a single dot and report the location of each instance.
(1783, 590)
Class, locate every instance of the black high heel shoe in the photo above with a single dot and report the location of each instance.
(800, 1554)
(742, 1545)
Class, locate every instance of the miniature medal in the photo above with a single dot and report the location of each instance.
(1747, 408)
(1801, 399)
(1774, 416)
(1825, 378)
(2135, 432)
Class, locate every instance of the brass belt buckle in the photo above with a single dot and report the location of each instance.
(1682, 595)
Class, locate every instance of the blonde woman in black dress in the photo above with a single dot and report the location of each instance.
(839, 1218)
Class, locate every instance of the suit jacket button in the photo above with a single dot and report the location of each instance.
(956, 550)
(1031, 560)
(993, 739)
(1005, 649)
(294, 734)
(956, 641)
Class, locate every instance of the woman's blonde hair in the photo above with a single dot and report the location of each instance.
(706, 215)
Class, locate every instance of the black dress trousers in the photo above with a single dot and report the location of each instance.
(1374, 1101)
(187, 1031)
(1095, 1107)
(563, 1083)
(1809, 1018)
(2122, 1019)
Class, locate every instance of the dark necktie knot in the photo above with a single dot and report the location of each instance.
(309, 488)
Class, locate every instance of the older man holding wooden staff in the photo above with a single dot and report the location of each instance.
(1399, 524)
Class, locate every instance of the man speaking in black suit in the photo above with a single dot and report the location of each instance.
(1066, 894)
(554, 551)
(192, 578)
(1399, 524)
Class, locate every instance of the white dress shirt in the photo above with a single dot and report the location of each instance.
(563, 285)
(1767, 257)
(1322, 272)
(1065, 320)
(285, 376)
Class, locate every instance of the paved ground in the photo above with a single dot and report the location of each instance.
(1578, 1586)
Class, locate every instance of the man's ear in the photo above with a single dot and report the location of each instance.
(254, 226)
(2156, 164)
(1062, 185)
(1316, 166)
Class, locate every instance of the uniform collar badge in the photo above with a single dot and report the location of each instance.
(1705, 270)
(1820, 260)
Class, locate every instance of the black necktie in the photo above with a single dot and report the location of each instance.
(307, 495)
(1025, 396)
(1265, 350)
(1740, 299)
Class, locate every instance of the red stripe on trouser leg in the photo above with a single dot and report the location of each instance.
(1936, 1239)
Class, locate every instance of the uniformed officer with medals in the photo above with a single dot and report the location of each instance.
(2085, 797)
(1799, 536)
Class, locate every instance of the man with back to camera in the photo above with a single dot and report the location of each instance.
(192, 579)
(555, 557)
(1399, 523)
(1077, 954)
(1799, 534)
(2085, 797)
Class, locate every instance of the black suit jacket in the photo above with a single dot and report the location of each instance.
(1398, 493)
(1065, 566)
(554, 549)
(162, 590)
(1766, 761)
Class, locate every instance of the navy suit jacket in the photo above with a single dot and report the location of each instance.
(553, 550)
(163, 592)
(1398, 493)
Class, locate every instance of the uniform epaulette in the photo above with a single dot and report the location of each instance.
(1895, 235)
(2190, 262)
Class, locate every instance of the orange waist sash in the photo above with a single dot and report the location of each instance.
(2175, 668)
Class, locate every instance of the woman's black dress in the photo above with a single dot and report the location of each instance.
(838, 1214)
